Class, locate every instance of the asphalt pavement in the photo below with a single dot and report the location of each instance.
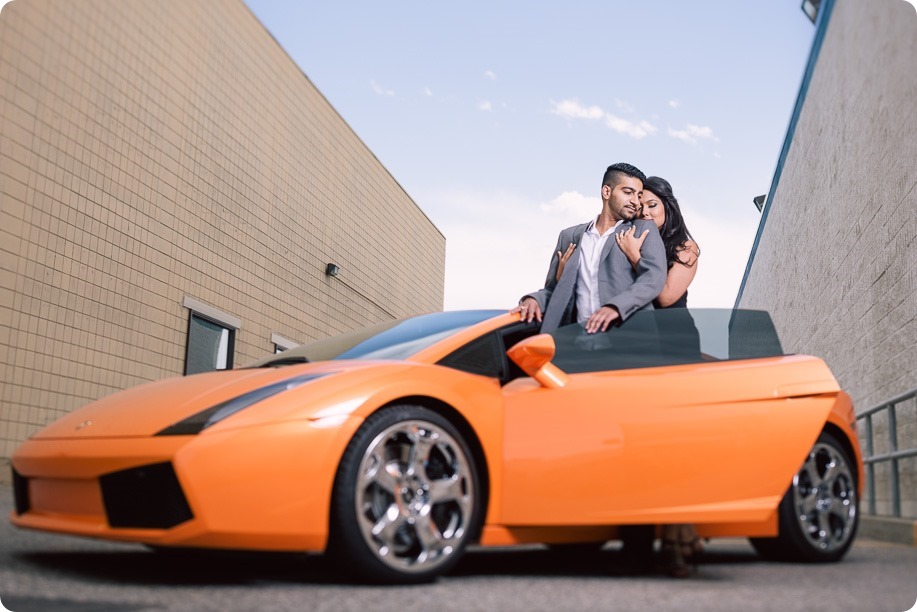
(51, 573)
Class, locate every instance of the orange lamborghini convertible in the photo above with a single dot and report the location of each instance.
(394, 446)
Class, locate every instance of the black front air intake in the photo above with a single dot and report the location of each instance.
(21, 493)
(148, 497)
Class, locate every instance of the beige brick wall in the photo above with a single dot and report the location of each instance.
(156, 150)
(837, 260)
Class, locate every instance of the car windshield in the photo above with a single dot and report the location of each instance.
(389, 340)
(668, 336)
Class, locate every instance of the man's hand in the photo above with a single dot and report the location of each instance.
(601, 319)
(529, 310)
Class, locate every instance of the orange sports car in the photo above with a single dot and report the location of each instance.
(394, 446)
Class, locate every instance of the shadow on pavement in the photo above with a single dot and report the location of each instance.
(198, 568)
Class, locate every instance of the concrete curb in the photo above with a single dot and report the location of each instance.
(888, 529)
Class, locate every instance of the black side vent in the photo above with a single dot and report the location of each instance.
(148, 497)
(21, 493)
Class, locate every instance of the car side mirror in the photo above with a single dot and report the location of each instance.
(534, 356)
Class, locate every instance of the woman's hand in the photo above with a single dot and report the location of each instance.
(562, 259)
(630, 244)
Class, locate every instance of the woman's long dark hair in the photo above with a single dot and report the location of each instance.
(674, 232)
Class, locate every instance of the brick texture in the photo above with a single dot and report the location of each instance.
(155, 150)
(837, 260)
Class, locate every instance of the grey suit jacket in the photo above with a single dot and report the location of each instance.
(620, 286)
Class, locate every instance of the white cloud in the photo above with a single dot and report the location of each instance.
(682, 135)
(380, 90)
(499, 246)
(572, 109)
(624, 106)
(490, 75)
(573, 206)
(704, 132)
(428, 92)
(634, 130)
(693, 134)
(486, 106)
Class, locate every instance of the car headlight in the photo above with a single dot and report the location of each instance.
(211, 416)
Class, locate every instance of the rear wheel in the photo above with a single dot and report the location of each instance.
(406, 497)
(819, 513)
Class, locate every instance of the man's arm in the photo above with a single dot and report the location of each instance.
(533, 305)
(651, 273)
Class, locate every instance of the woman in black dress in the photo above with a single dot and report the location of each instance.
(680, 543)
(681, 252)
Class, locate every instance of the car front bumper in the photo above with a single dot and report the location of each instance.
(266, 487)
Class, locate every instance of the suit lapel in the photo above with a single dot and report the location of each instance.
(578, 234)
(563, 293)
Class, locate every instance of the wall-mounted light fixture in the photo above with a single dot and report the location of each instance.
(810, 8)
(759, 201)
(332, 269)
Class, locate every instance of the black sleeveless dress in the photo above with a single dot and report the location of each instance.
(681, 302)
(680, 340)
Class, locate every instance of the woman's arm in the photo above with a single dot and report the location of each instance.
(562, 259)
(680, 275)
(630, 244)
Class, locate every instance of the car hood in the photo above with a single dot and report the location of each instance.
(149, 408)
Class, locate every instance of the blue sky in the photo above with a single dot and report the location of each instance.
(499, 118)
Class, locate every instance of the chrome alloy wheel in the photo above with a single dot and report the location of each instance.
(824, 496)
(414, 496)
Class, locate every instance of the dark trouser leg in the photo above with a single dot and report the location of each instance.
(637, 553)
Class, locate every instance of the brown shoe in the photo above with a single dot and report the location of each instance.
(673, 562)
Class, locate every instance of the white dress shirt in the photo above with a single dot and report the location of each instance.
(587, 282)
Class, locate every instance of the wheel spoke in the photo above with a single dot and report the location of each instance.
(431, 540)
(423, 443)
(841, 511)
(832, 471)
(811, 470)
(447, 489)
(385, 478)
(388, 524)
(824, 526)
(384, 474)
(808, 504)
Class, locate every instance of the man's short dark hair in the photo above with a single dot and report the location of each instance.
(615, 171)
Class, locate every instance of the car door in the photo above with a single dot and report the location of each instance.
(714, 440)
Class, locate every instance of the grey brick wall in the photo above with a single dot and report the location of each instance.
(837, 260)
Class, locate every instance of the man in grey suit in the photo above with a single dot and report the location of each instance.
(598, 285)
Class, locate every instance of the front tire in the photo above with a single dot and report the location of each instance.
(819, 513)
(407, 497)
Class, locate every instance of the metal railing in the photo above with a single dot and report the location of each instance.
(892, 455)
